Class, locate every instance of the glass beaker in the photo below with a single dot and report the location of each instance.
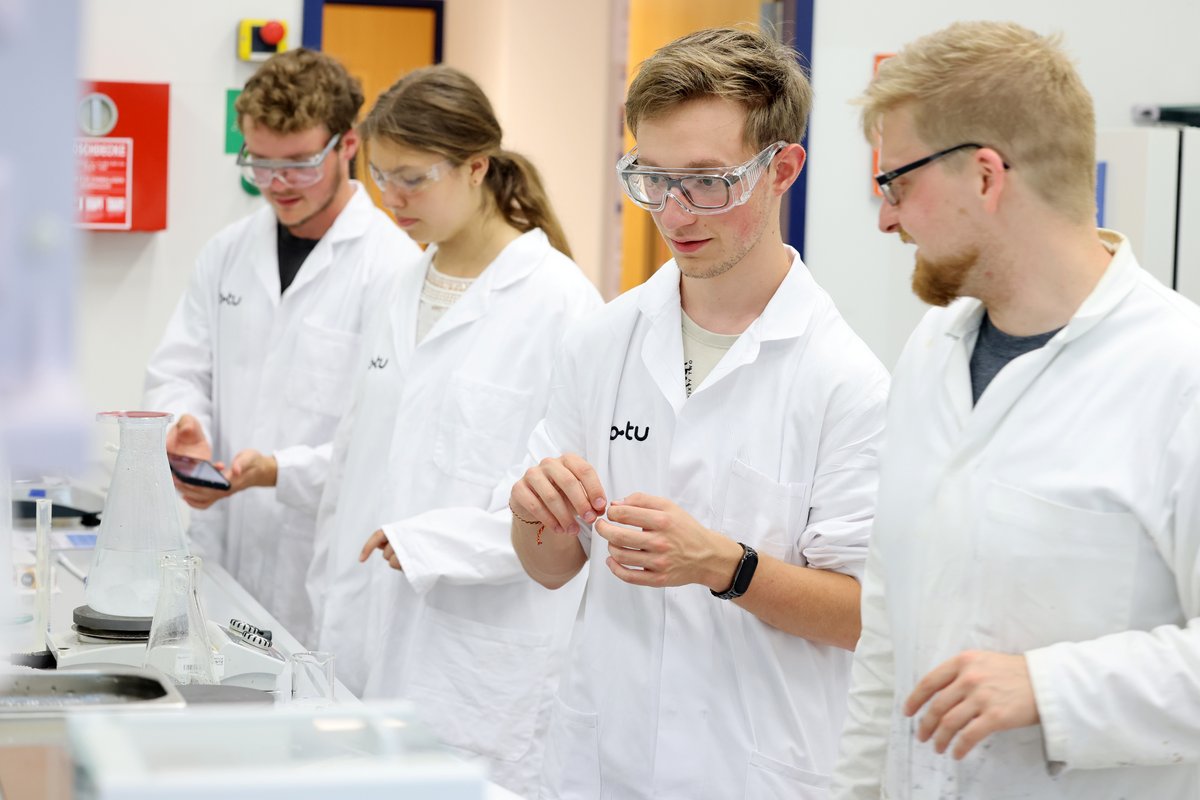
(140, 522)
(312, 677)
(179, 646)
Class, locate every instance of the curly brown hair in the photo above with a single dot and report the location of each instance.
(299, 89)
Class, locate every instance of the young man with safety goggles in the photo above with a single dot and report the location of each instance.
(710, 447)
(256, 362)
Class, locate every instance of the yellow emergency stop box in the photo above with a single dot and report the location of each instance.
(259, 39)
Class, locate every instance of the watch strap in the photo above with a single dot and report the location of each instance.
(742, 575)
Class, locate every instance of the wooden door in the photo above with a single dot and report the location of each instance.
(379, 44)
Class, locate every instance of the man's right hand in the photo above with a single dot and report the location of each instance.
(557, 491)
(186, 437)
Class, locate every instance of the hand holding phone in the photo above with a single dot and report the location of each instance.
(197, 472)
(186, 437)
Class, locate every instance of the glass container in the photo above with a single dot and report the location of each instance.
(312, 677)
(140, 522)
(179, 646)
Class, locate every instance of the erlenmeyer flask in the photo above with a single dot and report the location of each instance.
(179, 646)
(140, 521)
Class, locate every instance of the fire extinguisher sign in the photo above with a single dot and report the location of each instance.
(105, 182)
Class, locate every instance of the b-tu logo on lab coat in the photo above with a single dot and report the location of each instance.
(379, 362)
(631, 432)
(230, 299)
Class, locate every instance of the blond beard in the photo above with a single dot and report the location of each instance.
(939, 283)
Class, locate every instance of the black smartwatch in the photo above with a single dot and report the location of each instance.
(741, 576)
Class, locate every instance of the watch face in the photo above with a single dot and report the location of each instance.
(741, 581)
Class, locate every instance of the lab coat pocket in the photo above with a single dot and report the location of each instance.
(768, 778)
(319, 376)
(481, 430)
(764, 513)
(571, 768)
(1052, 573)
(481, 687)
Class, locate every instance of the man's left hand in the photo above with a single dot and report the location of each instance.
(975, 694)
(252, 468)
(379, 541)
(671, 549)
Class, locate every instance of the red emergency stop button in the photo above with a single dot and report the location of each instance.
(271, 33)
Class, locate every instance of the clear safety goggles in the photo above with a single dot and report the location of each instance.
(404, 182)
(707, 190)
(293, 174)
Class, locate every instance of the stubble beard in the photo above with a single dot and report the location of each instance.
(723, 266)
(325, 204)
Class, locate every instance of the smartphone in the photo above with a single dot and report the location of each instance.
(197, 472)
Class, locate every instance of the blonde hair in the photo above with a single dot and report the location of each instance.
(301, 89)
(747, 67)
(1003, 86)
(440, 110)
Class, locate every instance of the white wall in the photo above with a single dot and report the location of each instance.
(550, 68)
(545, 65)
(130, 282)
(1127, 54)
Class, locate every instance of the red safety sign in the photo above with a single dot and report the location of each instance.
(105, 169)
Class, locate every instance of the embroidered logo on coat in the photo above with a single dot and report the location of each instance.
(378, 362)
(230, 299)
(633, 433)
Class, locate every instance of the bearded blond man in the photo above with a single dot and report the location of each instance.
(1030, 602)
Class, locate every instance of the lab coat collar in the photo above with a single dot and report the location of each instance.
(660, 291)
(516, 261)
(350, 224)
(787, 313)
(522, 256)
(355, 217)
(786, 316)
(790, 309)
(1116, 282)
(980, 422)
(265, 253)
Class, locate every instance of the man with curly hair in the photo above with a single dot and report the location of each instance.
(257, 359)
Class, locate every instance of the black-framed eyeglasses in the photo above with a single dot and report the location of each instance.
(884, 179)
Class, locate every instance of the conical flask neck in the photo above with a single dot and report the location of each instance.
(143, 435)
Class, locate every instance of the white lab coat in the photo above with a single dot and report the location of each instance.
(1060, 518)
(434, 427)
(674, 693)
(273, 373)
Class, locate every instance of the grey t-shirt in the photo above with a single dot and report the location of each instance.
(994, 348)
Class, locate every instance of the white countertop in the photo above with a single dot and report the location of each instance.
(222, 598)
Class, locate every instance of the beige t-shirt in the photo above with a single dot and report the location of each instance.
(702, 349)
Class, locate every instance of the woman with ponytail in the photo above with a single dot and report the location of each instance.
(454, 378)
